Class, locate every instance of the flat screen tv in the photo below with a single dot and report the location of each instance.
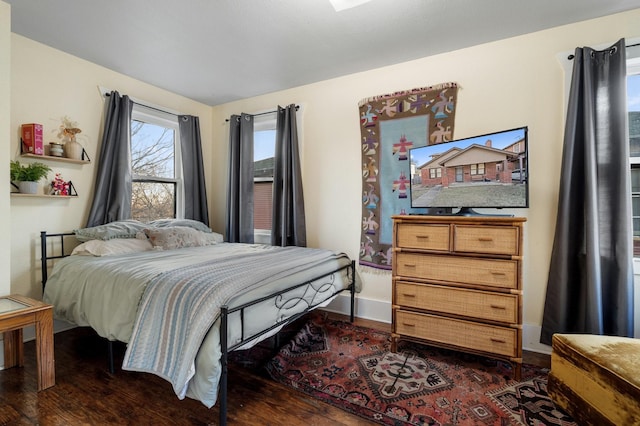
(486, 171)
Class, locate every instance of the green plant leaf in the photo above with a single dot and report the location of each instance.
(31, 172)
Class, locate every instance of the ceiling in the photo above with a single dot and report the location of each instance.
(217, 51)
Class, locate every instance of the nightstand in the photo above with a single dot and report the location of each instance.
(17, 312)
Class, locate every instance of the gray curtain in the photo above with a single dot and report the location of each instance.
(195, 191)
(239, 223)
(590, 286)
(112, 194)
(288, 220)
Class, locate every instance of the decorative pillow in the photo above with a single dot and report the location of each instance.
(111, 247)
(117, 229)
(189, 223)
(180, 236)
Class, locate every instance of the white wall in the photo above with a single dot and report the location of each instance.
(504, 84)
(5, 94)
(47, 84)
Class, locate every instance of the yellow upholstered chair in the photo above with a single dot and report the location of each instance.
(596, 379)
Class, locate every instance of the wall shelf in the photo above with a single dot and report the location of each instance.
(18, 194)
(52, 158)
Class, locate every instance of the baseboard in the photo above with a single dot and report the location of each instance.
(377, 310)
(531, 339)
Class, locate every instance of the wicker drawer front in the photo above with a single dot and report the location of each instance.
(486, 239)
(457, 269)
(465, 334)
(427, 237)
(458, 301)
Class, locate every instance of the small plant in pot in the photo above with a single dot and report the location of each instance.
(27, 176)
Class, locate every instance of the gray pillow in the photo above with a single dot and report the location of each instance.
(118, 229)
(189, 223)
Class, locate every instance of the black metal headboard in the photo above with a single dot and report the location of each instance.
(44, 256)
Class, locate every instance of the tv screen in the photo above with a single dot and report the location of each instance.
(487, 171)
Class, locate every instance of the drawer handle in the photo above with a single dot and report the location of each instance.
(502, 274)
(410, 265)
(485, 239)
(426, 237)
(406, 324)
(408, 295)
(497, 306)
(494, 340)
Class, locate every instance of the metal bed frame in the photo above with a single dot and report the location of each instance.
(225, 311)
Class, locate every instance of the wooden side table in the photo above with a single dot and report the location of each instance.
(17, 312)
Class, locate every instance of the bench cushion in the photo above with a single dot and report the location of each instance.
(596, 378)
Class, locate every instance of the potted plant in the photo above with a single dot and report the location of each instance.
(27, 176)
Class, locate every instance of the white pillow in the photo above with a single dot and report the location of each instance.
(111, 247)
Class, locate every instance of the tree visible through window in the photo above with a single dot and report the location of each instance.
(156, 171)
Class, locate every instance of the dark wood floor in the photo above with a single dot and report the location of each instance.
(86, 394)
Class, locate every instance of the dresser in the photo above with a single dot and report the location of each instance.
(457, 284)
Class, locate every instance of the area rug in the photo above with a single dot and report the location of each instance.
(351, 367)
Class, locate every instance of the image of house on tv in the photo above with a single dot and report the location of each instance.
(474, 163)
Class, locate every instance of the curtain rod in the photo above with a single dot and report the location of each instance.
(570, 57)
(149, 106)
(265, 113)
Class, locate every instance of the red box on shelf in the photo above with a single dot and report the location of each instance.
(32, 139)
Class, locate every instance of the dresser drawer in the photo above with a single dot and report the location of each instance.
(486, 239)
(427, 237)
(458, 269)
(458, 301)
(465, 334)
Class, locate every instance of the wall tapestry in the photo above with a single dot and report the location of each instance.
(390, 125)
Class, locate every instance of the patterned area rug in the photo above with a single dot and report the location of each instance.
(351, 367)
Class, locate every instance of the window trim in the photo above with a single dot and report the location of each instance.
(169, 120)
(263, 122)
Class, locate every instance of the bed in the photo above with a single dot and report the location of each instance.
(150, 286)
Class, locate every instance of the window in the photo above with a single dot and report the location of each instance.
(435, 173)
(156, 165)
(477, 169)
(264, 146)
(633, 106)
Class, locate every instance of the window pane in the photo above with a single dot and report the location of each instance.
(153, 200)
(635, 207)
(633, 105)
(152, 150)
(264, 143)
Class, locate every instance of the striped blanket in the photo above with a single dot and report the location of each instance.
(179, 307)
